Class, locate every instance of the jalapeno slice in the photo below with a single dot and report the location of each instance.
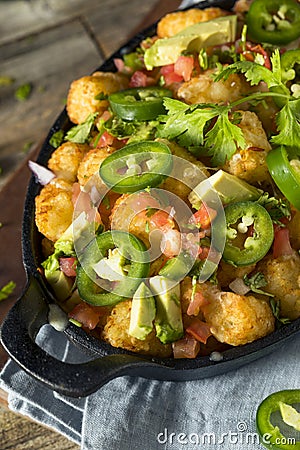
(249, 233)
(108, 291)
(277, 435)
(274, 21)
(136, 166)
(139, 103)
(286, 174)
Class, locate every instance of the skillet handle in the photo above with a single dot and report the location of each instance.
(18, 334)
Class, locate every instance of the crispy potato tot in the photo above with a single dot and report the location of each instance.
(54, 209)
(89, 166)
(82, 95)
(174, 22)
(203, 89)
(283, 280)
(177, 185)
(249, 163)
(65, 160)
(116, 333)
(237, 319)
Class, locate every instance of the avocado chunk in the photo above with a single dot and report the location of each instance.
(142, 313)
(223, 187)
(168, 321)
(60, 284)
(193, 38)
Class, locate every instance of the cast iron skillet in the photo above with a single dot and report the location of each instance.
(31, 312)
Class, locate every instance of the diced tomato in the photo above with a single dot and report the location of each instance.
(184, 67)
(87, 315)
(105, 140)
(105, 116)
(261, 51)
(199, 330)
(138, 79)
(172, 77)
(197, 301)
(106, 205)
(169, 68)
(188, 347)
(68, 266)
(281, 245)
(204, 216)
(161, 220)
(203, 252)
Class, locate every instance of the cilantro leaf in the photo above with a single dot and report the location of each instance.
(288, 124)
(56, 138)
(186, 123)
(256, 282)
(275, 306)
(80, 133)
(254, 72)
(223, 139)
(277, 208)
(7, 290)
(23, 92)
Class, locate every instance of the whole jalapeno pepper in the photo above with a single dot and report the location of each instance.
(275, 436)
(143, 103)
(121, 277)
(136, 166)
(249, 233)
(274, 21)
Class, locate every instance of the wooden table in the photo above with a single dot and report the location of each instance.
(46, 44)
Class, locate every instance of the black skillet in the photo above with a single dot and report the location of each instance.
(30, 313)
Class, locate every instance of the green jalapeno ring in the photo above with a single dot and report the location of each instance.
(263, 27)
(265, 428)
(139, 267)
(143, 103)
(286, 177)
(256, 246)
(155, 156)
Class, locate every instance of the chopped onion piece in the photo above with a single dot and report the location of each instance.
(239, 287)
(57, 318)
(42, 174)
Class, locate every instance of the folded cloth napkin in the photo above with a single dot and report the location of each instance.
(133, 413)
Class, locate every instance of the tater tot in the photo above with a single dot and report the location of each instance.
(249, 163)
(116, 333)
(54, 209)
(237, 319)
(82, 95)
(283, 280)
(89, 166)
(175, 22)
(65, 160)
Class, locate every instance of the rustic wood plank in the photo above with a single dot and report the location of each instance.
(48, 61)
(116, 22)
(17, 433)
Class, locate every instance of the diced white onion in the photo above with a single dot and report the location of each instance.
(239, 287)
(42, 174)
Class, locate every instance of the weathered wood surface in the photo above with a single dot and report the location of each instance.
(47, 43)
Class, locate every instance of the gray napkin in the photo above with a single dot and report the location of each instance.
(134, 413)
